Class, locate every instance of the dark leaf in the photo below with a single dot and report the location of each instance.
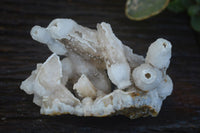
(187, 3)
(194, 10)
(195, 22)
(176, 6)
(198, 1)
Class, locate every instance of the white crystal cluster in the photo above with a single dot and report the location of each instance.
(94, 60)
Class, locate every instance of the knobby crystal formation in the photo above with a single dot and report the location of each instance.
(94, 60)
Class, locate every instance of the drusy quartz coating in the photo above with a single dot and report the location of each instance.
(94, 60)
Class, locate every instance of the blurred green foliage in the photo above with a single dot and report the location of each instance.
(143, 9)
(192, 7)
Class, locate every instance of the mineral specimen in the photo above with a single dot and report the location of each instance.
(98, 76)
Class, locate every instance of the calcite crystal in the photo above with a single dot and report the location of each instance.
(97, 75)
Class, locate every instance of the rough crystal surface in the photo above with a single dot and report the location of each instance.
(94, 60)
